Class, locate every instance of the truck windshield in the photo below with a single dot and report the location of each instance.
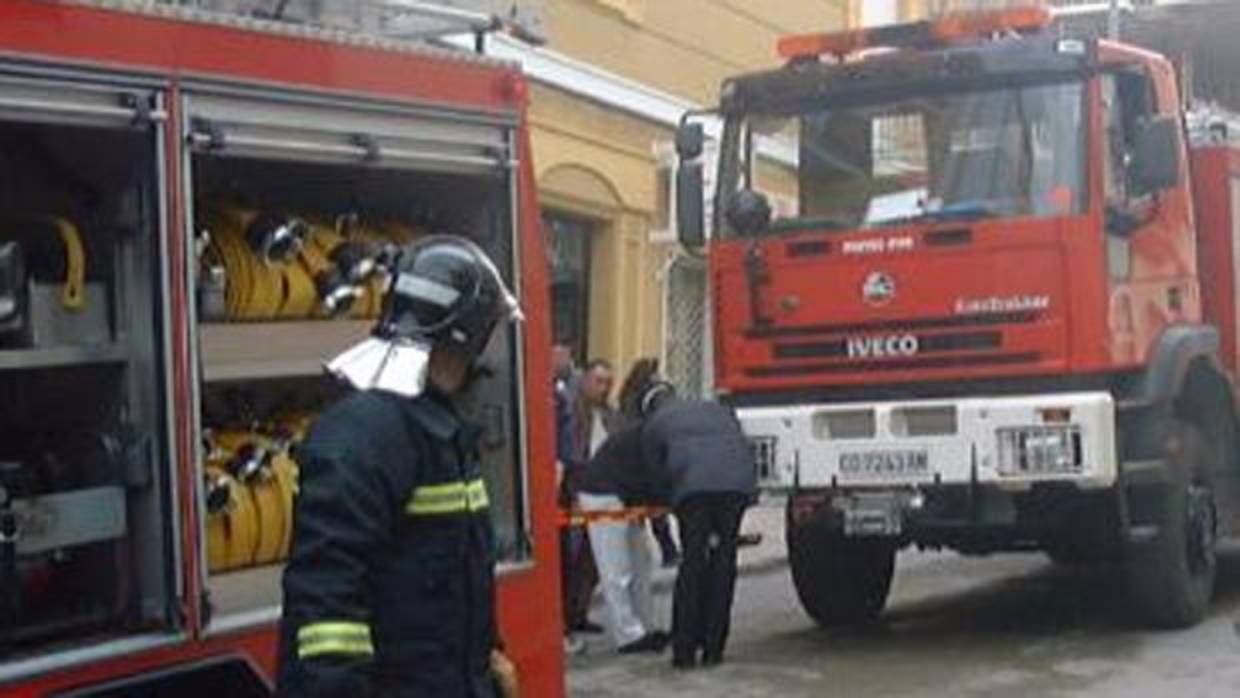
(1014, 151)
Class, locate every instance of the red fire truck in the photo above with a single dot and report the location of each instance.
(192, 211)
(996, 312)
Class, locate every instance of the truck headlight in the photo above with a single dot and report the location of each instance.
(1040, 450)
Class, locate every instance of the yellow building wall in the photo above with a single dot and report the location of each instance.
(686, 47)
(918, 9)
(599, 162)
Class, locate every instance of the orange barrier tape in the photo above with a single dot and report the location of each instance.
(576, 517)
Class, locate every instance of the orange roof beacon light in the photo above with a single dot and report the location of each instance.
(946, 29)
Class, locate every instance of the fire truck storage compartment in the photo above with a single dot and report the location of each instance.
(85, 511)
(297, 203)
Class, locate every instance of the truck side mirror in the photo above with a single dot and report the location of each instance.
(690, 204)
(690, 189)
(1155, 162)
(690, 140)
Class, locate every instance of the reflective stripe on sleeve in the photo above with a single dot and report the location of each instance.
(449, 498)
(334, 637)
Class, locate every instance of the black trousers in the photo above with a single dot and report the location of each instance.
(706, 581)
(662, 531)
(578, 576)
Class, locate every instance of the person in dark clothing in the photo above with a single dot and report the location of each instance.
(697, 455)
(578, 576)
(592, 418)
(644, 372)
(389, 589)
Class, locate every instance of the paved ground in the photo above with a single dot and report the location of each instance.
(1000, 626)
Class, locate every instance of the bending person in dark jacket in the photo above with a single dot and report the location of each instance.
(706, 467)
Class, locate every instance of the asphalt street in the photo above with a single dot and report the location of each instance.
(1000, 626)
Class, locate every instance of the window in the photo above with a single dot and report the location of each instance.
(664, 176)
(569, 241)
(1010, 151)
(1127, 100)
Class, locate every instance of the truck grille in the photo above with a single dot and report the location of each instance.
(880, 346)
(1027, 317)
(928, 344)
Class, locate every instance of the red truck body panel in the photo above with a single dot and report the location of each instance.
(1216, 173)
(993, 298)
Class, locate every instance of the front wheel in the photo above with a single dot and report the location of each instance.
(1171, 576)
(839, 580)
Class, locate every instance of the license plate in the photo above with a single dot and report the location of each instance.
(883, 464)
(873, 515)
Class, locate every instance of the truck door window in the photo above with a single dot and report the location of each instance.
(1127, 99)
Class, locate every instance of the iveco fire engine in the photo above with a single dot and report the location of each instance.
(974, 288)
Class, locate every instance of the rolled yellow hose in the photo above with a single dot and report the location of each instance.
(286, 481)
(218, 525)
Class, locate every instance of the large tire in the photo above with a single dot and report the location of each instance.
(1171, 577)
(1067, 555)
(840, 581)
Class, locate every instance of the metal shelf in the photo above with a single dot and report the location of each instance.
(256, 350)
(57, 357)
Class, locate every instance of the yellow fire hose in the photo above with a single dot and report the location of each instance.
(285, 470)
(220, 485)
(232, 530)
(255, 526)
(74, 294)
(301, 299)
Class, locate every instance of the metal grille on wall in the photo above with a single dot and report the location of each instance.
(685, 335)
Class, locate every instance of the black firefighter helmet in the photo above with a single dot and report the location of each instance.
(443, 293)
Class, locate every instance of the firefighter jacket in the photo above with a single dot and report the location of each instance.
(389, 590)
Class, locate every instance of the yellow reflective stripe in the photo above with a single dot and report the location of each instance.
(334, 637)
(450, 498)
(321, 647)
(476, 494)
(448, 489)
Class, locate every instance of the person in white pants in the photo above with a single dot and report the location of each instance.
(622, 554)
(615, 476)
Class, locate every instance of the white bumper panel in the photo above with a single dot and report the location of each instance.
(941, 441)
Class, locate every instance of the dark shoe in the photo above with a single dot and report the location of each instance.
(648, 643)
(662, 638)
(588, 628)
(684, 663)
(746, 540)
(711, 660)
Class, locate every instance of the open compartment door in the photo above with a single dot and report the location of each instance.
(329, 175)
(86, 520)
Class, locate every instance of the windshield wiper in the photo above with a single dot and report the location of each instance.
(817, 223)
(963, 211)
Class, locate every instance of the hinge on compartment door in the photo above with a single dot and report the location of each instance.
(369, 144)
(206, 134)
(143, 107)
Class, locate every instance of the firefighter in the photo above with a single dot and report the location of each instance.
(698, 460)
(389, 590)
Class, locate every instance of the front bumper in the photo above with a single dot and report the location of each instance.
(1010, 442)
